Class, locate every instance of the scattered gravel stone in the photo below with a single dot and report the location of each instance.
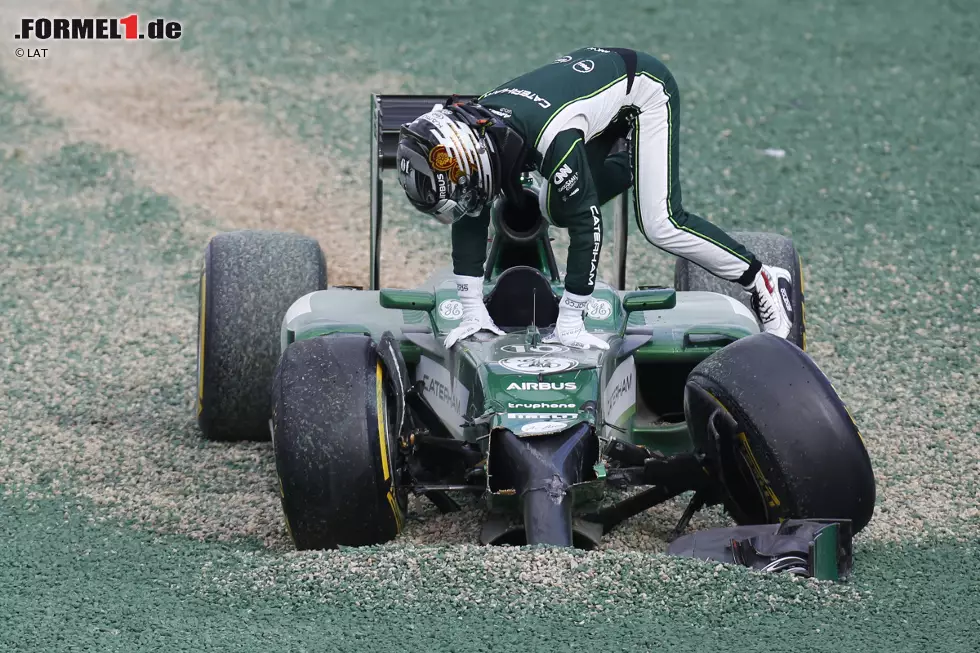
(514, 581)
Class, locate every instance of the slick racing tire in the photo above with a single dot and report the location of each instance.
(776, 436)
(771, 249)
(249, 280)
(336, 453)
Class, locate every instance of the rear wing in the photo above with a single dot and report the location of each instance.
(388, 114)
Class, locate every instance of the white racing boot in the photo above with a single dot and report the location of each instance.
(772, 291)
(475, 315)
(570, 328)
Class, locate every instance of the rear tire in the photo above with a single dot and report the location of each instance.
(249, 280)
(777, 436)
(771, 249)
(336, 455)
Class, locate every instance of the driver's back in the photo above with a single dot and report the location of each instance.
(583, 90)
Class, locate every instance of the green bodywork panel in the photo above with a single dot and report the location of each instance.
(516, 382)
(509, 381)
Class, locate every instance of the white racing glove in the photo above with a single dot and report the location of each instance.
(475, 316)
(570, 328)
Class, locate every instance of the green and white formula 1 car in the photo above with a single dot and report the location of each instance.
(365, 404)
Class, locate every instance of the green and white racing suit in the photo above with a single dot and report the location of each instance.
(572, 112)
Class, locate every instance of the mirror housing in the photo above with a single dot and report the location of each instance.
(407, 300)
(649, 300)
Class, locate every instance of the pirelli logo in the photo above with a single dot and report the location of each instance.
(127, 28)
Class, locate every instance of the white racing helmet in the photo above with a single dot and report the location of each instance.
(447, 163)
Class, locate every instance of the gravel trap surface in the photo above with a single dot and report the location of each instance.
(111, 183)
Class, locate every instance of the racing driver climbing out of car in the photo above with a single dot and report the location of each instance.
(564, 120)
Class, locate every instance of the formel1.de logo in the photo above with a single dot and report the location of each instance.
(97, 29)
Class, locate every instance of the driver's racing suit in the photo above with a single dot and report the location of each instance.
(571, 113)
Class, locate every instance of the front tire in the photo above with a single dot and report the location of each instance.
(336, 455)
(771, 249)
(777, 436)
(249, 281)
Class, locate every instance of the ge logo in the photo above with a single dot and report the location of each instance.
(599, 309)
(451, 309)
(584, 66)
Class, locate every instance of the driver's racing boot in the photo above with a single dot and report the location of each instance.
(772, 290)
(570, 328)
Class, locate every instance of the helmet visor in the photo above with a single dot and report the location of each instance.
(447, 212)
(465, 201)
